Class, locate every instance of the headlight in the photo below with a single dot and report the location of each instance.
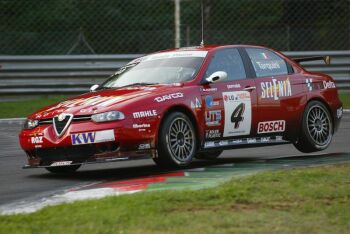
(108, 116)
(30, 124)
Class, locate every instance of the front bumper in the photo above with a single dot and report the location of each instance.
(81, 146)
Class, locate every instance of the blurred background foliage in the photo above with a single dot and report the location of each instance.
(41, 27)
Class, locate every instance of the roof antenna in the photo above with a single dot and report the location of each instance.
(202, 42)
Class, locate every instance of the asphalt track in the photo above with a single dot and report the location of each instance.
(17, 184)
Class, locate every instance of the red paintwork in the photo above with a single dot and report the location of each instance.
(137, 99)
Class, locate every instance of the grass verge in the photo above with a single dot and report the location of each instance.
(24, 108)
(345, 98)
(312, 200)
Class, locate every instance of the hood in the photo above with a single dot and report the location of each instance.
(97, 102)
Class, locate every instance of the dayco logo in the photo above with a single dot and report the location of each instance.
(141, 114)
(169, 97)
(276, 89)
(272, 126)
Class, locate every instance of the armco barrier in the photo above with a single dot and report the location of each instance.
(76, 73)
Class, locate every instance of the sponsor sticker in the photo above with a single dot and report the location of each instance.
(213, 118)
(37, 140)
(215, 133)
(141, 125)
(328, 85)
(169, 97)
(309, 84)
(209, 102)
(197, 104)
(177, 54)
(234, 86)
(92, 137)
(210, 90)
(144, 146)
(61, 163)
(142, 114)
(238, 113)
(275, 89)
(268, 65)
(271, 126)
(339, 112)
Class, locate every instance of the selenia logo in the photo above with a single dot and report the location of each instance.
(276, 89)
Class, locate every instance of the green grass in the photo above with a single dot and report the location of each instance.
(345, 98)
(313, 200)
(25, 107)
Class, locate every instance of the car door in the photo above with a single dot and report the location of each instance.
(279, 96)
(229, 105)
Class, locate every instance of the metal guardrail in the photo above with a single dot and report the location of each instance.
(76, 73)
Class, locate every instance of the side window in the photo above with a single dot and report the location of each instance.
(229, 61)
(267, 63)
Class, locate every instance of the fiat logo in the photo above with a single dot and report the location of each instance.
(61, 117)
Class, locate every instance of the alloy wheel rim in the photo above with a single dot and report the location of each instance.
(181, 140)
(319, 125)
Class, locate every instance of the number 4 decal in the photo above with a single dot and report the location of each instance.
(238, 113)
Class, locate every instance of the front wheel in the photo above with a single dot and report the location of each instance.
(317, 128)
(176, 141)
(63, 169)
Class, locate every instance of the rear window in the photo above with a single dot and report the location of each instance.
(267, 63)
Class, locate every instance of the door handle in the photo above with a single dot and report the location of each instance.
(249, 88)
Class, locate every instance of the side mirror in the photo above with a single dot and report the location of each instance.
(94, 87)
(216, 77)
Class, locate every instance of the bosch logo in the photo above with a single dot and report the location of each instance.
(272, 126)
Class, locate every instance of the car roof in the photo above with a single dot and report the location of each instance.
(207, 48)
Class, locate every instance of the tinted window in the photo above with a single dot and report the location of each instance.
(267, 63)
(229, 61)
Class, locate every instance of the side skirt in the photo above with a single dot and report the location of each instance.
(244, 142)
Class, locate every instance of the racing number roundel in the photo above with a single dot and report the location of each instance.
(238, 113)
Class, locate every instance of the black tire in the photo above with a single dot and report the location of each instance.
(177, 141)
(210, 155)
(63, 169)
(316, 128)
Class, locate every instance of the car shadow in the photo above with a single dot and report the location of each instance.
(132, 172)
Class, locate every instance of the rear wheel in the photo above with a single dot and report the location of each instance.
(176, 141)
(210, 155)
(63, 169)
(317, 128)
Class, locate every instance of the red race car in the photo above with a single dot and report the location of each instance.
(187, 103)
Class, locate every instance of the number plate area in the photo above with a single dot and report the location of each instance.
(238, 113)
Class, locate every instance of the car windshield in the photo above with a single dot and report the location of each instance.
(161, 68)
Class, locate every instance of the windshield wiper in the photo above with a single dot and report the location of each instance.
(137, 84)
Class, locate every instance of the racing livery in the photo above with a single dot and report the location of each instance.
(187, 103)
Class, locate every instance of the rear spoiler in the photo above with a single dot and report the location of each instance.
(326, 59)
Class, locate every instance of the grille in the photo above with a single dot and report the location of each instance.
(61, 125)
(79, 118)
(73, 153)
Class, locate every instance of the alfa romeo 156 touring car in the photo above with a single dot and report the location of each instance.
(181, 104)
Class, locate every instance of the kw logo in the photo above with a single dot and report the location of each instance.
(83, 138)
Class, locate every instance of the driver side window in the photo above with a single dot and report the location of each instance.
(229, 61)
